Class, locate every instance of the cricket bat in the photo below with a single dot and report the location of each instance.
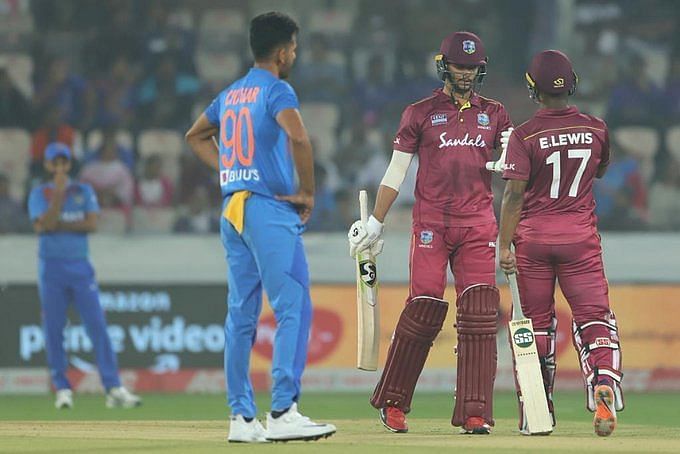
(368, 329)
(537, 420)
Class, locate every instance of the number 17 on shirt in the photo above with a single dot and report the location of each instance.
(368, 329)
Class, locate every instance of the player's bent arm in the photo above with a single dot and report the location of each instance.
(49, 221)
(87, 225)
(200, 139)
(511, 209)
(291, 122)
(391, 182)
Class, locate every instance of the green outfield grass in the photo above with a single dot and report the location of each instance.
(198, 423)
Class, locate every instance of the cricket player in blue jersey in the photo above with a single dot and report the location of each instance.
(262, 141)
(63, 212)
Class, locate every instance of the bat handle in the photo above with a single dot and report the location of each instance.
(514, 293)
(363, 205)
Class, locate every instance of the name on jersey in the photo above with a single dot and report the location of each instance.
(559, 140)
(241, 96)
(466, 141)
(231, 176)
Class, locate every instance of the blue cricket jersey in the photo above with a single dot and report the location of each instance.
(80, 199)
(254, 150)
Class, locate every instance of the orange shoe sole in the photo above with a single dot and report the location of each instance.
(605, 415)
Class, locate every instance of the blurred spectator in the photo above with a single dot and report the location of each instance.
(620, 194)
(200, 217)
(111, 179)
(116, 95)
(162, 38)
(15, 110)
(153, 189)
(374, 93)
(321, 75)
(13, 218)
(66, 91)
(52, 129)
(166, 97)
(635, 100)
(194, 173)
(664, 198)
(352, 157)
(109, 139)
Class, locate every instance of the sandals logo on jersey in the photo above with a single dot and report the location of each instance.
(469, 46)
(466, 141)
(523, 338)
(367, 271)
(426, 238)
(439, 119)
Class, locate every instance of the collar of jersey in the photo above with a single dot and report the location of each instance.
(552, 113)
(473, 101)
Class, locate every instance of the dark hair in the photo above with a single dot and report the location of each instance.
(270, 30)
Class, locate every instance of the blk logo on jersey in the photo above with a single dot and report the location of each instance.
(469, 46)
(439, 119)
(368, 272)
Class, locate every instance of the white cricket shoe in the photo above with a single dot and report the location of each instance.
(242, 431)
(121, 397)
(64, 399)
(293, 426)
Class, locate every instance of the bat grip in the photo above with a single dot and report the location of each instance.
(363, 206)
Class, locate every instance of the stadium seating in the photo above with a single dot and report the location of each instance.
(15, 147)
(20, 69)
(94, 139)
(165, 142)
(222, 28)
(642, 142)
(112, 221)
(673, 141)
(153, 220)
(321, 120)
(218, 68)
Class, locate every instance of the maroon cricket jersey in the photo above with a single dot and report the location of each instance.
(453, 187)
(558, 152)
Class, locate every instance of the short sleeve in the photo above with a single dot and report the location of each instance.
(517, 160)
(503, 123)
(408, 134)
(213, 111)
(604, 160)
(281, 97)
(37, 203)
(91, 203)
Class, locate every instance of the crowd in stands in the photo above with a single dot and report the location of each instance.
(120, 81)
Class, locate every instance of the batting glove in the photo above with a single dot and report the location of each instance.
(364, 237)
(499, 166)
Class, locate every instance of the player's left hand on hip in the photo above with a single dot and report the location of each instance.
(365, 236)
(507, 261)
(303, 202)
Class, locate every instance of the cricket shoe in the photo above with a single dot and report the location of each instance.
(605, 412)
(293, 426)
(393, 419)
(242, 431)
(64, 399)
(475, 425)
(121, 397)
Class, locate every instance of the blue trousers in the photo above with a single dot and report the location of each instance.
(60, 283)
(268, 254)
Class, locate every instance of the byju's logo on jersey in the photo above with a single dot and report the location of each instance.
(426, 238)
(368, 272)
(469, 47)
(439, 119)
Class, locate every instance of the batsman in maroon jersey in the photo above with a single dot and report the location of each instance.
(454, 132)
(548, 212)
